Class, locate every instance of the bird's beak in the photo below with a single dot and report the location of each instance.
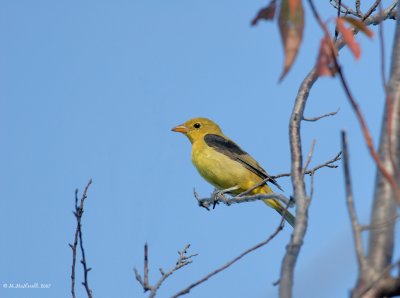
(181, 128)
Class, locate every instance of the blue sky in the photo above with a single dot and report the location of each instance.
(91, 89)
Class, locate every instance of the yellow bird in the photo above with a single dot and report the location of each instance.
(224, 164)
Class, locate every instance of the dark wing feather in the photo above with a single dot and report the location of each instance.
(233, 151)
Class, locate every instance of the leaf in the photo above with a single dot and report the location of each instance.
(360, 26)
(267, 13)
(291, 25)
(348, 38)
(293, 6)
(325, 65)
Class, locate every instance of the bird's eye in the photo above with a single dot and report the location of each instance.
(196, 125)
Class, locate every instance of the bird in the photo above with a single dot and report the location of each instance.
(225, 165)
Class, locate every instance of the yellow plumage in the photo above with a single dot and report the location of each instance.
(224, 164)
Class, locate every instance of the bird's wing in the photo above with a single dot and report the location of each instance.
(233, 151)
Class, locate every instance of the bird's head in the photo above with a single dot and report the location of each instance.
(197, 128)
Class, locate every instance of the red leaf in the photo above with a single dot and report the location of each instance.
(359, 25)
(348, 38)
(293, 6)
(291, 25)
(267, 13)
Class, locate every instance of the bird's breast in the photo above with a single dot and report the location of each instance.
(220, 170)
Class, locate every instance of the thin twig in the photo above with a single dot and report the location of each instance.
(313, 119)
(309, 157)
(371, 9)
(310, 154)
(183, 260)
(344, 8)
(78, 234)
(328, 164)
(381, 225)
(356, 227)
(211, 274)
(338, 15)
(358, 9)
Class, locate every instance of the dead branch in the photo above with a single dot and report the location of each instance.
(344, 8)
(299, 191)
(328, 164)
(217, 197)
(78, 234)
(356, 227)
(183, 260)
(358, 7)
(313, 119)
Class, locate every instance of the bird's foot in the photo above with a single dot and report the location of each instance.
(219, 195)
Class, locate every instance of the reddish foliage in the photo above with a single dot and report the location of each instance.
(348, 38)
(291, 25)
(267, 13)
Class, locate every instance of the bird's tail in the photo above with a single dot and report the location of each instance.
(275, 204)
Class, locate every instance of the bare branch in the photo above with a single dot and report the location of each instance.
(328, 164)
(338, 15)
(211, 274)
(362, 263)
(299, 192)
(344, 8)
(313, 119)
(183, 260)
(78, 234)
(358, 8)
(371, 9)
(309, 157)
(217, 197)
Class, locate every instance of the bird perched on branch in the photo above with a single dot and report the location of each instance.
(225, 165)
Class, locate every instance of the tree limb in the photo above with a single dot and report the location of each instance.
(356, 227)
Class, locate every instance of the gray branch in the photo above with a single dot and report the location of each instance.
(313, 119)
(356, 227)
(183, 260)
(218, 197)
